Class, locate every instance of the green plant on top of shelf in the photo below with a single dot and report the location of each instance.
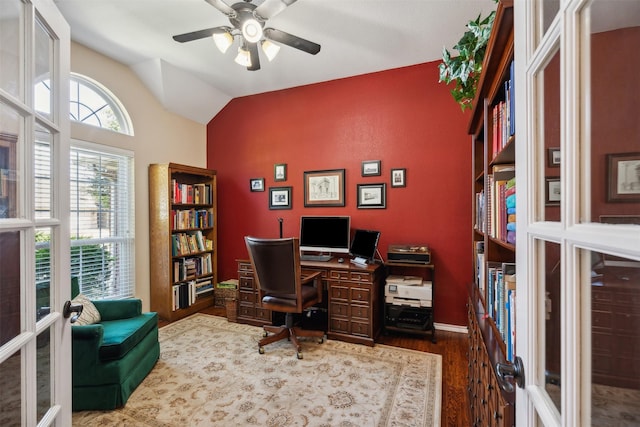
(464, 70)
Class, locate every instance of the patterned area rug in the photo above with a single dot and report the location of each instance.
(211, 374)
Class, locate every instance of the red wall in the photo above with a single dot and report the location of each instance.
(402, 117)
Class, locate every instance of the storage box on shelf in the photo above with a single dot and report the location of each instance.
(492, 294)
(182, 239)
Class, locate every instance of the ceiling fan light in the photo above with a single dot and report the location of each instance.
(252, 30)
(223, 41)
(270, 49)
(243, 57)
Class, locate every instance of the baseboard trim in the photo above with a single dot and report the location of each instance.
(452, 328)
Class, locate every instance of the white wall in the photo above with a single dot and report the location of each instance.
(160, 137)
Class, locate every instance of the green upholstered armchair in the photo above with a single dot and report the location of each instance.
(112, 357)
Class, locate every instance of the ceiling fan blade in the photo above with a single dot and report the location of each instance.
(200, 34)
(222, 7)
(271, 8)
(255, 59)
(291, 40)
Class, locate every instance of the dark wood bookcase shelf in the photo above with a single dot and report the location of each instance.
(493, 160)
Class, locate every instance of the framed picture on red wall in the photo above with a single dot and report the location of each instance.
(623, 177)
(398, 177)
(324, 188)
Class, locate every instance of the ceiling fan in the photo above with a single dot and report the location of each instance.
(248, 25)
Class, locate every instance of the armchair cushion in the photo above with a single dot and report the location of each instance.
(90, 313)
(122, 335)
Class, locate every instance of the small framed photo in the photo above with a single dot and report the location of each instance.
(324, 188)
(280, 172)
(371, 168)
(552, 191)
(372, 196)
(399, 177)
(623, 177)
(279, 197)
(553, 157)
(256, 184)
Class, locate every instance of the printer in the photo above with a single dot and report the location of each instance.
(408, 290)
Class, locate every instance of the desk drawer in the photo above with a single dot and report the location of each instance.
(247, 296)
(361, 276)
(339, 325)
(361, 328)
(339, 275)
(360, 294)
(361, 311)
(339, 292)
(246, 311)
(339, 309)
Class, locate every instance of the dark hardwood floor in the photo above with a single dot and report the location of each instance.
(453, 348)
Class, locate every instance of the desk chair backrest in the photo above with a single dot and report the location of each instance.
(276, 265)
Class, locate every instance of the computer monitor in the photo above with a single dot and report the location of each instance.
(325, 233)
(364, 245)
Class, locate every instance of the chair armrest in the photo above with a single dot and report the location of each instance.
(317, 279)
(85, 343)
(118, 309)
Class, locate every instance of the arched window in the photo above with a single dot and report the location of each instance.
(90, 103)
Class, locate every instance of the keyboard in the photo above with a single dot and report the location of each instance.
(323, 258)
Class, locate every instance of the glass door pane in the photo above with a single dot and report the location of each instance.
(612, 121)
(613, 287)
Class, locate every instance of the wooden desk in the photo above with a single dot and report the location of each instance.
(354, 299)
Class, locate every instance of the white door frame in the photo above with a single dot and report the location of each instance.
(38, 14)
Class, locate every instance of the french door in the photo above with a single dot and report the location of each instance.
(578, 210)
(35, 343)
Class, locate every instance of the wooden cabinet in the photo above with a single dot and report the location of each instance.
(250, 310)
(493, 236)
(182, 239)
(353, 299)
(355, 303)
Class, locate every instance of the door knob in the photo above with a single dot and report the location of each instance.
(72, 308)
(513, 370)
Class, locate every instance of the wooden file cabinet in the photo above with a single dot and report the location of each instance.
(353, 299)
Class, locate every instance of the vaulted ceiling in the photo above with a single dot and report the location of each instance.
(196, 80)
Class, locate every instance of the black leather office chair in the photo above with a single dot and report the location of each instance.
(276, 265)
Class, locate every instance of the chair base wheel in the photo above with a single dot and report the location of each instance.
(261, 350)
(299, 355)
(321, 340)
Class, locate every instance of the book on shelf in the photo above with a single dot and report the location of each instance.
(500, 300)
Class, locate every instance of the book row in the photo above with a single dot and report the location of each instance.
(503, 117)
(184, 219)
(185, 294)
(500, 301)
(495, 210)
(197, 194)
(190, 243)
(190, 268)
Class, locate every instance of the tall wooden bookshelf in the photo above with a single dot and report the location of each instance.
(182, 239)
(493, 239)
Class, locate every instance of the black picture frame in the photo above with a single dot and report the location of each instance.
(398, 177)
(623, 177)
(256, 184)
(372, 196)
(280, 198)
(280, 172)
(553, 157)
(371, 168)
(324, 188)
(552, 195)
